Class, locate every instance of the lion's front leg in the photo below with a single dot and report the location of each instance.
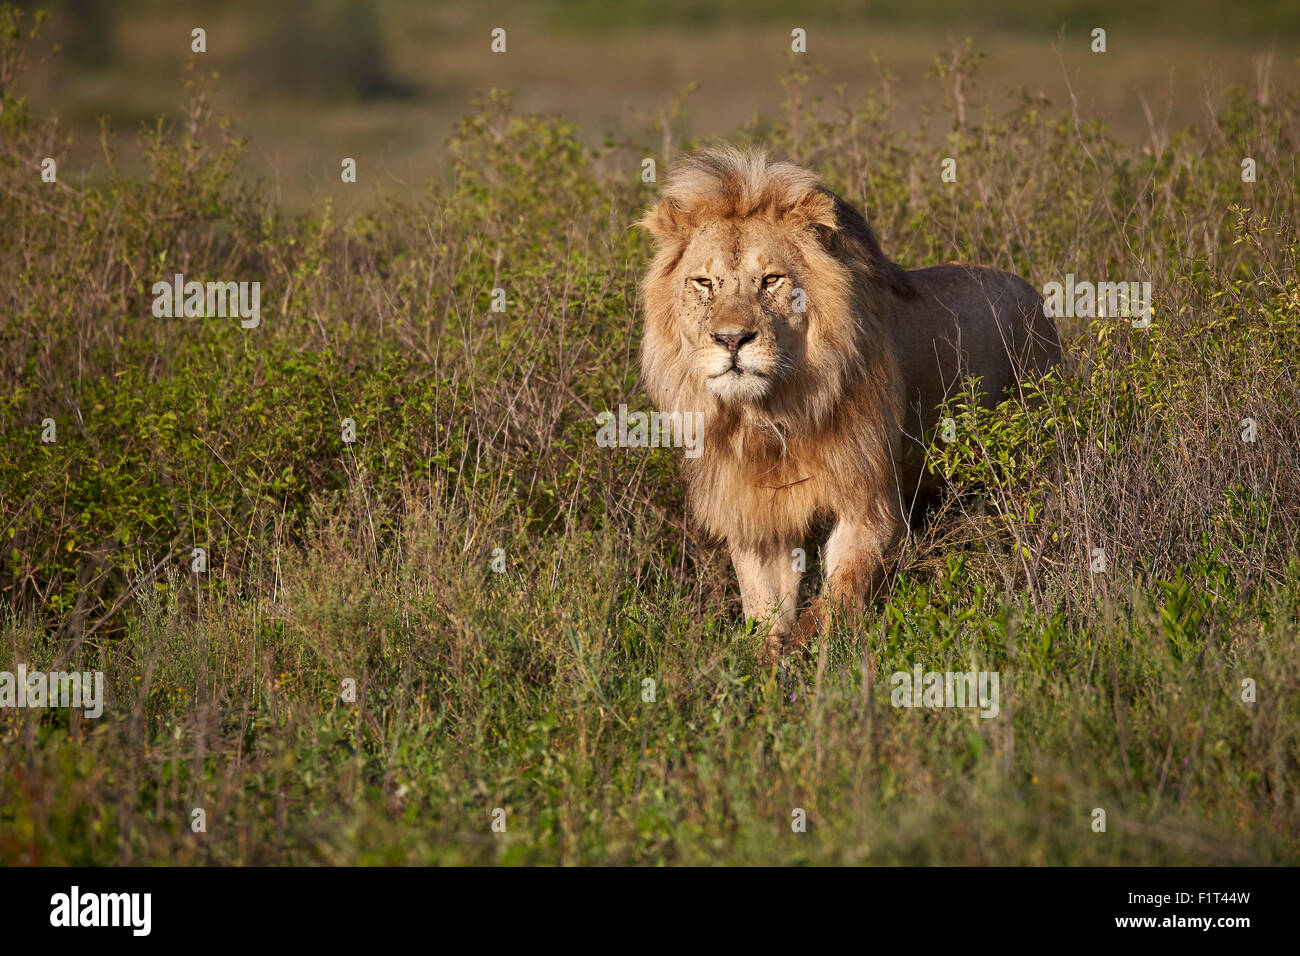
(855, 566)
(769, 589)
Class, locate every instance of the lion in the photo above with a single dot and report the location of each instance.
(818, 366)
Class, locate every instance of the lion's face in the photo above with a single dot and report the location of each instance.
(741, 310)
(750, 306)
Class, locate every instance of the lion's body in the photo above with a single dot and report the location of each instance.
(815, 413)
(965, 320)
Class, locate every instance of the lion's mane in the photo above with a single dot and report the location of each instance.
(830, 432)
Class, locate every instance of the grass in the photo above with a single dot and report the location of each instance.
(526, 690)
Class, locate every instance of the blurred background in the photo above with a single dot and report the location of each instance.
(311, 81)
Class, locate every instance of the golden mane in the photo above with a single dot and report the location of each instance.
(816, 366)
(836, 419)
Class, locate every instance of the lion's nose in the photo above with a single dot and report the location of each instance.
(732, 341)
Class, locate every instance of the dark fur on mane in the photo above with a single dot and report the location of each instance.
(853, 228)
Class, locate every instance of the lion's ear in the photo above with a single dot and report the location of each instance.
(817, 210)
(665, 221)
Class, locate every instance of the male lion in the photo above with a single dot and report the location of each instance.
(817, 364)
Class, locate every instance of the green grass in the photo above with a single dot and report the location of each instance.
(525, 690)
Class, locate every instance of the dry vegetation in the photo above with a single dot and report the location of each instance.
(524, 690)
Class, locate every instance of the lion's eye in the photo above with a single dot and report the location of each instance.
(772, 281)
(702, 283)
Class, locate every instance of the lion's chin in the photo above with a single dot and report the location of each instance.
(740, 386)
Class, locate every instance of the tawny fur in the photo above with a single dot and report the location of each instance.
(821, 413)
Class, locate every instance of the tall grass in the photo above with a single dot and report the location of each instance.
(527, 689)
